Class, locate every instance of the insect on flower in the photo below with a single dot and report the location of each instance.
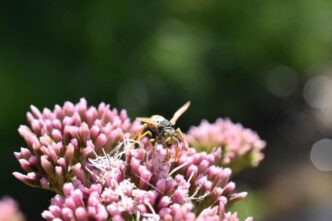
(163, 131)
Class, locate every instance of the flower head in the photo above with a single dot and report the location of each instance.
(241, 147)
(133, 181)
(87, 155)
(61, 140)
(9, 210)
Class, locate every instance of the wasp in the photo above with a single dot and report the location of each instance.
(163, 131)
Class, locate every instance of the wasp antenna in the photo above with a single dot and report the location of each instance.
(179, 112)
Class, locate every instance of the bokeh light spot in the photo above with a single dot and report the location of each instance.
(318, 92)
(321, 154)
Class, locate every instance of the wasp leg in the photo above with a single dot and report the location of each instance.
(140, 131)
(146, 133)
(167, 156)
(152, 143)
(177, 150)
(182, 138)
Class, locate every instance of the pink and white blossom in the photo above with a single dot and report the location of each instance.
(241, 147)
(59, 141)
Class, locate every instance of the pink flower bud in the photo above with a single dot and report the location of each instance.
(81, 214)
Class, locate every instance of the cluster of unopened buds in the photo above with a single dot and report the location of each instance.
(88, 157)
(241, 147)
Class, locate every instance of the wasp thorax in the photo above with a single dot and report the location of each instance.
(158, 118)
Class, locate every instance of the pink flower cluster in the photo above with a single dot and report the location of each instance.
(60, 141)
(134, 182)
(9, 210)
(241, 147)
(86, 155)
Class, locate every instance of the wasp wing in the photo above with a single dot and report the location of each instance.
(179, 112)
(147, 120)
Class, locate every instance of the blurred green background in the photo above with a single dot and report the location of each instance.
(247, 60)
